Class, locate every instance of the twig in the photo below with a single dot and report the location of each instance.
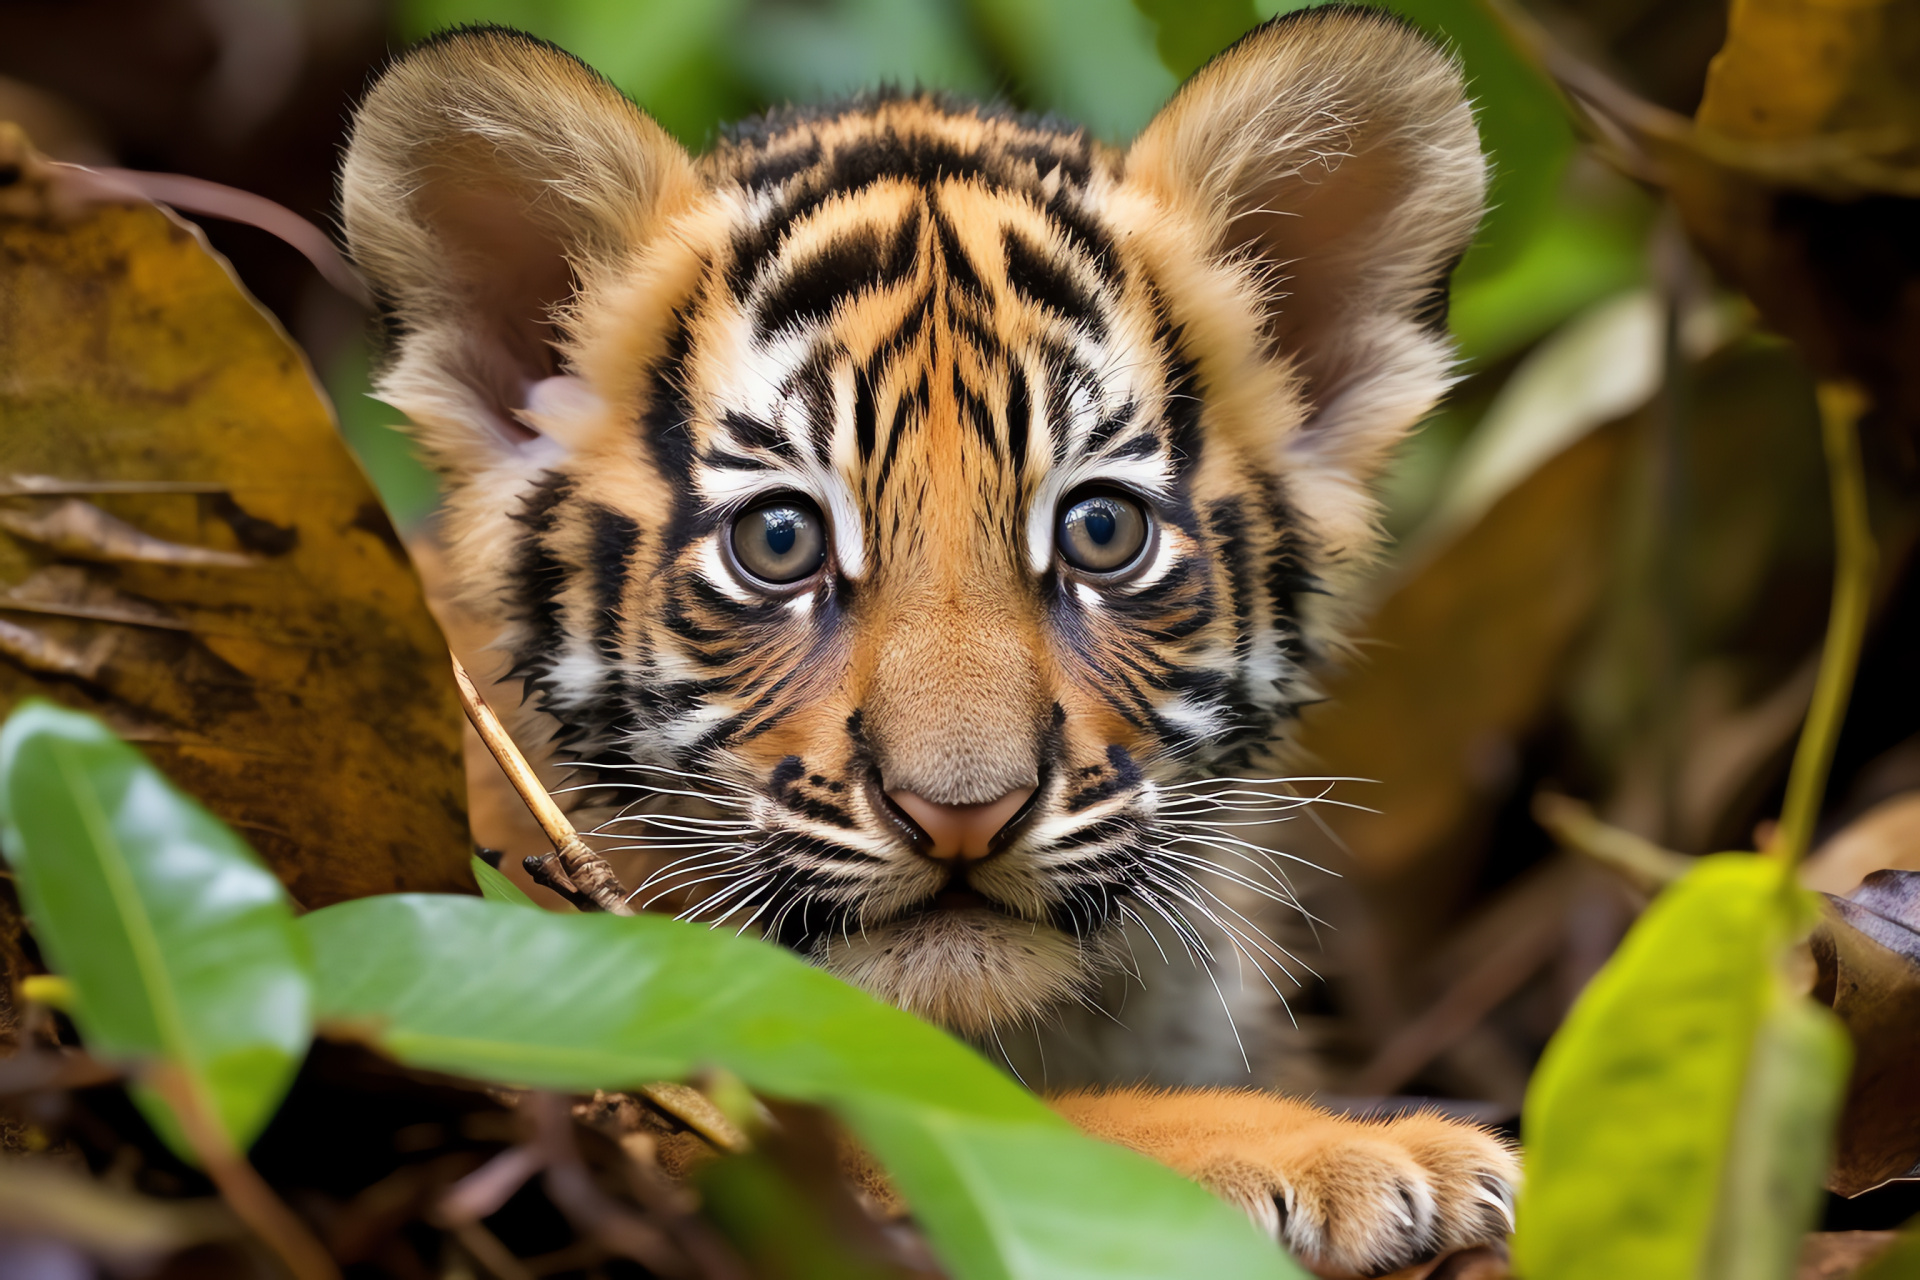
(33, 1070)
(486, 1249)
(591, 1211)
(481, 1193)
(1462, 1007)
(1855, 559)
(1640, 862)
(572, 869)
(240, 1184)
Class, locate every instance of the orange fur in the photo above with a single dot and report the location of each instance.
(1356, 1196)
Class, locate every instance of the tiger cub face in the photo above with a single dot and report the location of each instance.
(931, 487)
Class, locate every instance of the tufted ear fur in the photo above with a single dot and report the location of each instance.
(1330, 162)
(489, 178)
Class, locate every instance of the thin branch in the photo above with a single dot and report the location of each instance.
(240, 1184)
(1640, 862)
(582, 873)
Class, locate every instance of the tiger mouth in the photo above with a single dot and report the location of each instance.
(962, 898)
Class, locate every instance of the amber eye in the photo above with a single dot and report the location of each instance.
(780, 541)
(1102, 532)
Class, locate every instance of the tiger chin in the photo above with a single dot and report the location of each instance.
(904, 509)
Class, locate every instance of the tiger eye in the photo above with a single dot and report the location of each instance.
(781, 541)
(1102, 532)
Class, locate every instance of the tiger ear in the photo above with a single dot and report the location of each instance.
(1330, 159)
(489, 178)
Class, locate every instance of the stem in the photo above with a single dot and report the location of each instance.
(1841, 405)
(240, 1184)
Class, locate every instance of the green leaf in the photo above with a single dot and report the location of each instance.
(180, 945)
(781, 1229)
(1091, 61)
(495, 887)
(661, 53)
(1192, 31)
(1770, 1188)
(1678, 1123)
(1003, 1186)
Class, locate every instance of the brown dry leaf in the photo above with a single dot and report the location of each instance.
(191, 553)
(1887, 835)
(1867, 952)
(1835, 1255)
(1799, 178)
(1462, 656)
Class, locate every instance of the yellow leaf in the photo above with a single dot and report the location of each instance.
(191, 553)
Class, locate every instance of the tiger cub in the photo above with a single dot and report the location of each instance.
(930, 491)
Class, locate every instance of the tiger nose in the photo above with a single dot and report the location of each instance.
(960, 832)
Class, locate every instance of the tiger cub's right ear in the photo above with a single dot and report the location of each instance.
(489, 178)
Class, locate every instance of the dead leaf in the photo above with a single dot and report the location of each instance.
(1867, 953)
(1885, 836)
(191, 552)
(1462, 655)
(1799, 177)
(1835, 1255)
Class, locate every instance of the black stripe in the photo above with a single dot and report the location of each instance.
(1084, 233)
(894, 433)
(1019, 419)
(751, 433)
(851, 264)
(1035, 276)
(612, 539)
(960, 271)
(863, 413)
(976, 412)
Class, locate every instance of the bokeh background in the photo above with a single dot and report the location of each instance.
(1611, 549)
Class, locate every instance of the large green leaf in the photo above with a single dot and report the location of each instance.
(180, 945)
(1004, 1187)
(1679, 1123)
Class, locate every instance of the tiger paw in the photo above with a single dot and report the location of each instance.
(1348, 1197)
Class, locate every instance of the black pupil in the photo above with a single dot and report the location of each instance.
(783, 526)
(1099, 522)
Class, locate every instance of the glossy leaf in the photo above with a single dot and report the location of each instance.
(180, 946)
(1677, 1124)
(1003, 1187)
(495, 887)
(192, 554)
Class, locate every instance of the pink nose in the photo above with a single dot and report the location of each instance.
(960, 832)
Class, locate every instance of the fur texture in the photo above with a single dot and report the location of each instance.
(930, 329)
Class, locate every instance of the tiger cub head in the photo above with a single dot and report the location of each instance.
(936, 489)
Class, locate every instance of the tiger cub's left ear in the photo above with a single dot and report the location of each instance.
(1329, 161)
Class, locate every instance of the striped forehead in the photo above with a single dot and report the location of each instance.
(905, 317)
